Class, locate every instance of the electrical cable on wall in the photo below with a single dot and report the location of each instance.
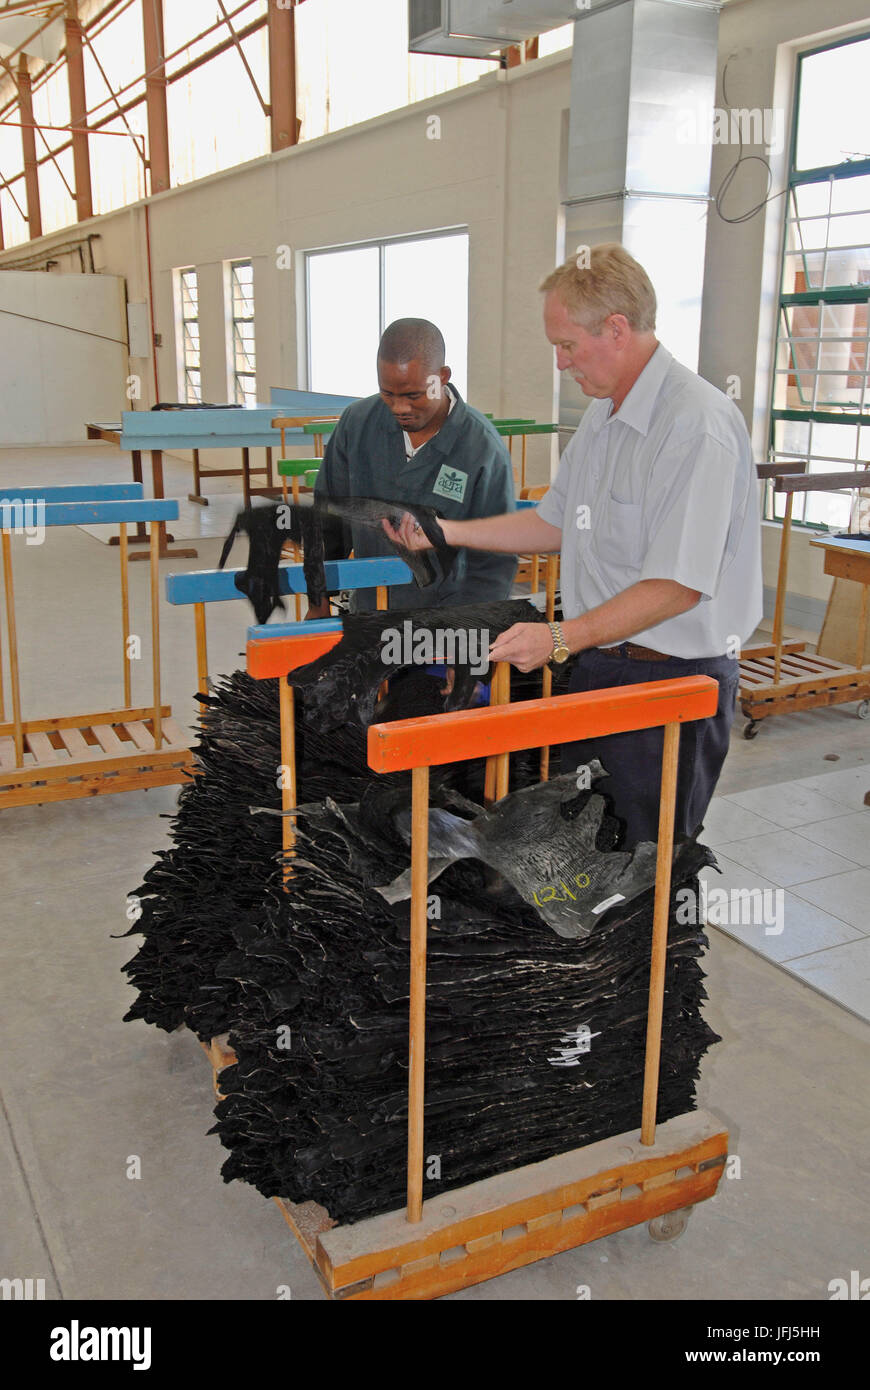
(88, 333)
(742, 158)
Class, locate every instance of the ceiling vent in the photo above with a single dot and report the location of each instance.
(480, 28)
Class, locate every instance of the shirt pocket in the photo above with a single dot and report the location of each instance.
(619, 541)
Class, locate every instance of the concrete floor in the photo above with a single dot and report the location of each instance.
(82, 1093)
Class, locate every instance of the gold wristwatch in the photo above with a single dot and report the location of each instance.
(560, 651)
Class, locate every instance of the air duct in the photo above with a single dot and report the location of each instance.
(643, 86)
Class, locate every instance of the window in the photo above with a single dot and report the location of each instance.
(191, 376)
(821, 409)
(355, 291)
(243, 358)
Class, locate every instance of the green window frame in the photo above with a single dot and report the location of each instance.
(820, 403)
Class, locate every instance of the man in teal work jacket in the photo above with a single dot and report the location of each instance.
(417, 441)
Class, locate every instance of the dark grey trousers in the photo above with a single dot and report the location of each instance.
(634, 760)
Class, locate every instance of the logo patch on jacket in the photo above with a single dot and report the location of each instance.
(451, 483)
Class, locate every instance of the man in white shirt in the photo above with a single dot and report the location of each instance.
(655, 512)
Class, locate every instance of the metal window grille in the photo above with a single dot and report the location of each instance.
(820, 409)
(190, 346)
(244, 356)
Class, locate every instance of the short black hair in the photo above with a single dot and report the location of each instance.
(413, 340)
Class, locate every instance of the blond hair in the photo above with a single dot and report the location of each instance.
(614, 283)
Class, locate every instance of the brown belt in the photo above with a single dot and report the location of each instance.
(636, 653)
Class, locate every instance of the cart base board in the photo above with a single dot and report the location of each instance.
(91, 755)
(477, 1232)
(806, 681)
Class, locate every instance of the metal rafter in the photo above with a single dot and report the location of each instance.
(267, 110)
(28, 148)
(114, 97)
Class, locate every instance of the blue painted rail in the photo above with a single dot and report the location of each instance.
(199, 587)
(219, 586)
(97, 492)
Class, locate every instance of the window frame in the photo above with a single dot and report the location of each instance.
(381, 243)
(235, 375)
(189, 391)
(821, 298)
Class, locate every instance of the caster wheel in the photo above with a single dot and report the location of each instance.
(751, 729)
(669, 1226)
(863, 710)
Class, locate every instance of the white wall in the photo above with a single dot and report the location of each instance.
(63, 349)
(496, 170)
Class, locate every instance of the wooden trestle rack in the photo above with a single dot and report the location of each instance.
(783, 677)
(652, 1174)
(69, 756)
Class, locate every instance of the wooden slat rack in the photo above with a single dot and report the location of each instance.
(72, 756)
(783, 677)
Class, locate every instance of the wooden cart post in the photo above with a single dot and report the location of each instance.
(664, 863)
(552, 574)
(155, 636)
(125, 613)
(15, 684)
(201, 649)
(417, 1008)
(287, 708)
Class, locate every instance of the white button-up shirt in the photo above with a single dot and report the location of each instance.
(663, 489)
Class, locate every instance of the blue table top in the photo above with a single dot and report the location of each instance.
(853, 547)
(247, 427)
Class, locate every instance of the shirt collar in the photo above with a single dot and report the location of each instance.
(637, 408)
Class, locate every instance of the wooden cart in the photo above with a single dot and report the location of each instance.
(782, 677)
(476, 1232)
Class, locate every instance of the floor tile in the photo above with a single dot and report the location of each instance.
(785, 858)
(848, 835)
(849, 786)
(726, 821)
(789, 803)
(779, 925)
(842, 973)
(845, 895)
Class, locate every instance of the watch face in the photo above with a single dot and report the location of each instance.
(561, 654)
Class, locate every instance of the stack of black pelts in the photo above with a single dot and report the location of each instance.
(534, 1043)
(214, 876)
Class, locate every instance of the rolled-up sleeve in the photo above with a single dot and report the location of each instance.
(688, 514)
